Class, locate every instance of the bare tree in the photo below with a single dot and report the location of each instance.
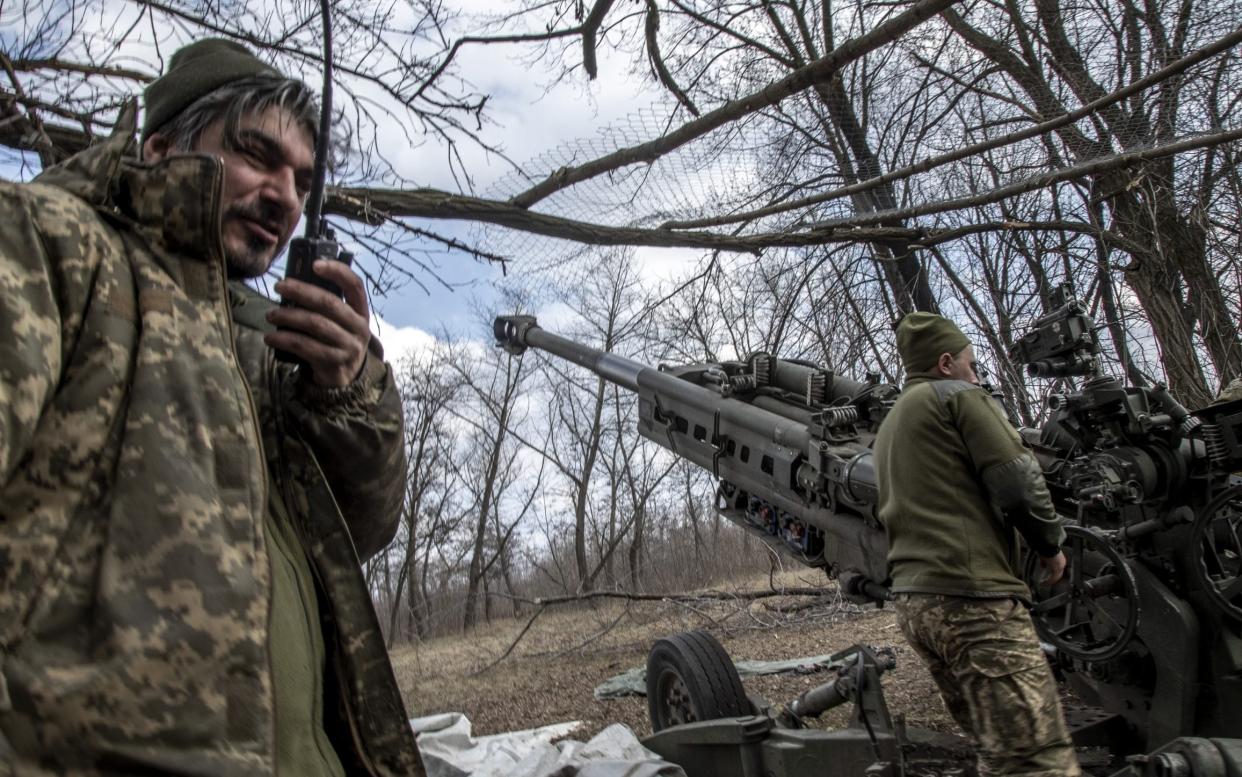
(495, 389)
(428, 389)
(603, 293)
(1050, 54)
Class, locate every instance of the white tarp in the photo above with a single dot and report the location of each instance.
(450, 750)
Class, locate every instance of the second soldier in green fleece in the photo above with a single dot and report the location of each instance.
(957, 487)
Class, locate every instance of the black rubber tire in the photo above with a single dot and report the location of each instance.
(690, 677)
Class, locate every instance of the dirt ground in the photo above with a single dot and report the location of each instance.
(551, 673)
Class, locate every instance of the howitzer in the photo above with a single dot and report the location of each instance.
(1148, 624)
(790, 443)
(1146, 627)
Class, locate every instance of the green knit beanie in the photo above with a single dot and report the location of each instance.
(923, 337)
(195, 71)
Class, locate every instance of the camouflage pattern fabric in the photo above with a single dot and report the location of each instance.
(1231, 392)
(985, 658)
(138, 425)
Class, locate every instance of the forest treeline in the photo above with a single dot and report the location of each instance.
(834, 164)
(970, 167)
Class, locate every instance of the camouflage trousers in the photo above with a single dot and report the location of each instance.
(985, 657)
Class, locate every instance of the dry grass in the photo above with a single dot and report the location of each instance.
(551, 675)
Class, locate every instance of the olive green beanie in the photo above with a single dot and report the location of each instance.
(195, 71)
(922, 337)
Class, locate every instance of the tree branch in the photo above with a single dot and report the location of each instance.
(651, 28)
(1111, 162)
(31, 65)
(590, 33)
(930, 163)
(371, 204)
(821, 69)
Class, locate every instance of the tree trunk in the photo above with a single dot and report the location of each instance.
(584, 490)
(901, 268)
(610, 572)
(420, 610)
(635, 554)
(1157, 290)
(485, 508)
(394, 610)
(506, 571)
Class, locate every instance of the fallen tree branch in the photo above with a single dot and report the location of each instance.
(529, 622)
(685, 596)
(587, 641)
(683, 599)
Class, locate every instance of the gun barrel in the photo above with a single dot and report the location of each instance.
(775, 453)
(516, 333)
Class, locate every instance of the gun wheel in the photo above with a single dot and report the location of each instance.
(1216, 541)
(691, 678)
(1093, 612)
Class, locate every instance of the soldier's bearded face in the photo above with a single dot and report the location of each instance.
(266, 179)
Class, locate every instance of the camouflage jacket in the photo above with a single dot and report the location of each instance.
(139, 425)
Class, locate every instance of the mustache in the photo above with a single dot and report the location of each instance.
(268, 213)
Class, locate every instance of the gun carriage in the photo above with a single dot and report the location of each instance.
(1147, 626)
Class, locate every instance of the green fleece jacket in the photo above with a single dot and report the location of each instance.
(955, 483)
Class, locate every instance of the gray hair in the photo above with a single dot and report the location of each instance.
(238, 99)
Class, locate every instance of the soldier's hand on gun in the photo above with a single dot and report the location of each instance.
(1054, 569)
(329, 333)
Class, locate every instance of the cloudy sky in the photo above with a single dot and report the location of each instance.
(528, 114)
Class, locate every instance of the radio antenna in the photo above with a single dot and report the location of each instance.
(314, 203)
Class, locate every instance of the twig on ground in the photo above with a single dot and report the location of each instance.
(530, 622)
(544, 601)
(588, 640)
(682, 600)
(800, 607)
(696, 611)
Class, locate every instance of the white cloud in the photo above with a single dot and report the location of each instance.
(666, 265)
(556, 317)
(413, 343)
(528, 110)
(404, 342)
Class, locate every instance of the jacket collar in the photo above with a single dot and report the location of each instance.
(913, 378)
(174, 202)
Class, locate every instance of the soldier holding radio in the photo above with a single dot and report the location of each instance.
(182, 516)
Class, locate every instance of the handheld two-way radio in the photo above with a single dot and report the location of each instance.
(319, 242)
